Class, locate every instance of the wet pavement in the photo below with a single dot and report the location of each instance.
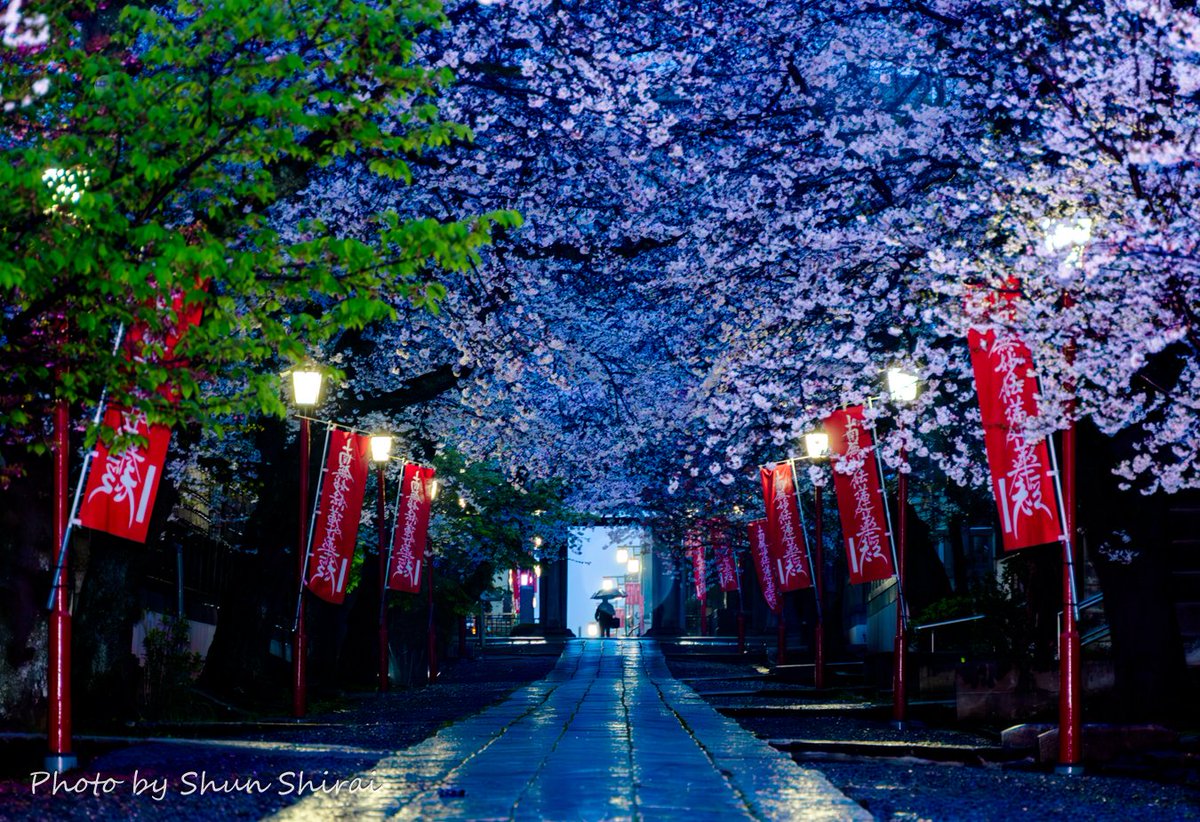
(609, 734)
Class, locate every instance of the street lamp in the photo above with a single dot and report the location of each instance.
(381, 452)
(903, 388)
(622, 555)
(66, 187)
(816, 444)
(1073, 234)
(306, 390)
(431, 630)
(635, 601)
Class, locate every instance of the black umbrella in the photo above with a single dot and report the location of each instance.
(616, 593)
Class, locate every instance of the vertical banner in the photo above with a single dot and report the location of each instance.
(412, 529)
(789, 551)
(718, 534)
(339, 511)
(760, 553)
(859, 490)
(121, 487)
(1022, 481)
(693, 544)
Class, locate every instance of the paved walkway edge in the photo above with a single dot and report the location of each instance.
(770, 782)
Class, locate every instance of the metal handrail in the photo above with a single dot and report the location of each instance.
(931, 625)
(1095, 635)
(948, 622)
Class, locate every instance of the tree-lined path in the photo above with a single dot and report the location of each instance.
(608, 734)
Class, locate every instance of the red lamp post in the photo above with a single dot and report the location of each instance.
(381, 449)
(1070, 719)
(1071, 235)
(817, 446)
(431, 636)
(60, 757)
(66, 186)
(903, 388)
(306, 385)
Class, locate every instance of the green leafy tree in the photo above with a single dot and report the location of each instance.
(149, 168)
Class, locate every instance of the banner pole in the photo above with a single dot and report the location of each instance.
(312, 521)
(79, 486)
(804, 530)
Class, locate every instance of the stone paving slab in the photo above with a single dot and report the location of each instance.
(609, 734)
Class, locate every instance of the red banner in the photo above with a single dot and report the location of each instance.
(718, 531)
(412, 529)
(1021, 479)
(860, 496)
(338, 513)
(121, 487)
(789, 550)
(760, 552)
(693, 544)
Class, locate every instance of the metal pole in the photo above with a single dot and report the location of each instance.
(813, 569)
(381, 515)
(1070, 714)
(179, 609)
(818, 589)
(300, 643)
(60, 757)
(65, 536)
(432, 633)
(781, 634)
(900, 651)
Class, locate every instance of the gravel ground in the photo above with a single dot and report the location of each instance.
(904, 788)
(253, 771)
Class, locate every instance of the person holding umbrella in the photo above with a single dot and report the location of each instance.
(606, 614)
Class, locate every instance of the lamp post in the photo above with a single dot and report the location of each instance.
(903, 388)
(381, 450)
(1073, 235)
(633, 567)
(66, 188)
(816, 445)
(431, 633)
(306, 389)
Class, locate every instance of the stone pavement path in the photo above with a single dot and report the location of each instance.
(609, 734)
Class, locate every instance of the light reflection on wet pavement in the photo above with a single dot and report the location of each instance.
(607, 735)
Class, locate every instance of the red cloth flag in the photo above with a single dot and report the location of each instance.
(760, 551)
(121, 487)
(1021, 475)
(694, 547)
(412, 529)
(723, 551)
(789, 551)
(338, 513)
(860, 496)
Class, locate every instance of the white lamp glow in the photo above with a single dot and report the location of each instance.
(593, 630)
(816, 444)
(381, 447)
(1071, 233)
(434, 487)
(607, 584)
(634, 565)
(902, 386)
(306, 386)
(622, 555)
